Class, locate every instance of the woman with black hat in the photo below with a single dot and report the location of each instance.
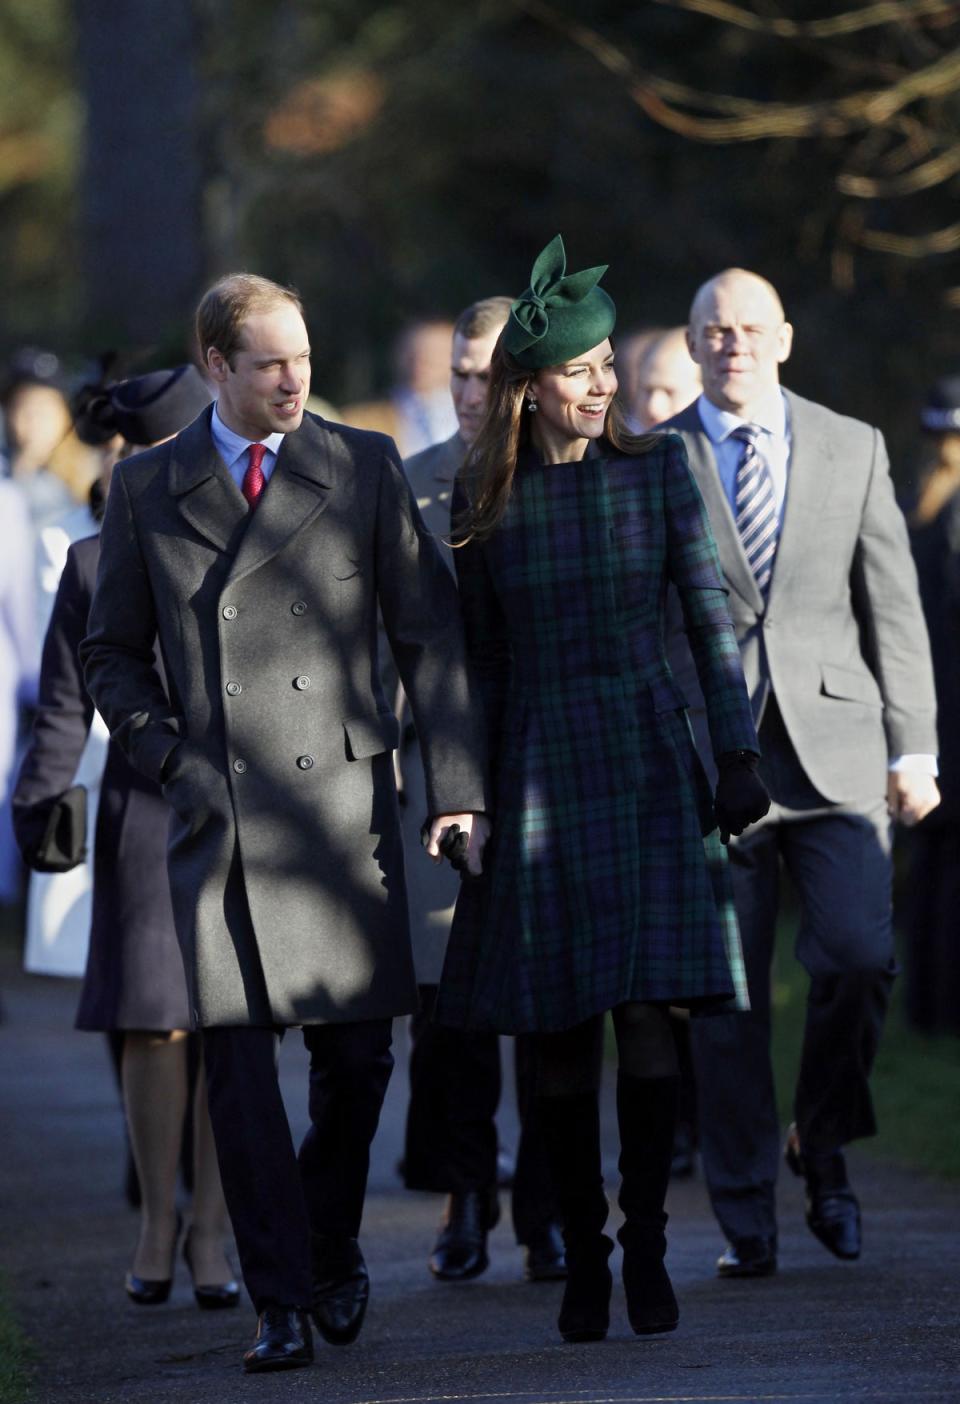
(605, 887)
(134, 982)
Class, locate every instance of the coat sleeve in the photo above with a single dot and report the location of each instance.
(64, 713)
(118, 651)
(886, 600)
(694, 568)
(488, 646)
(421, 616)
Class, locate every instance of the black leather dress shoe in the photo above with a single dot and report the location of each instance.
(833, 1211)
(283, 1341)
(748, 1257)
(460, 1251)
(544, 1259)
(341, 1287)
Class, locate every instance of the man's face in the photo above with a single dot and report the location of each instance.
(265, 390)
(469, 379)
(667, 381)
(739, 339)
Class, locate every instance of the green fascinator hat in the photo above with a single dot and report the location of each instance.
(559, 316)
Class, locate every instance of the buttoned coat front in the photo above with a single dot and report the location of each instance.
(605, 880)
(285, 855)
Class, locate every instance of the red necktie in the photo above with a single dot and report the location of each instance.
(253, 480)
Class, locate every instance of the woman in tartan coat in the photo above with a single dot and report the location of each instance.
(605, 884)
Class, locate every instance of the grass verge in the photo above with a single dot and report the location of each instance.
(15, 1355)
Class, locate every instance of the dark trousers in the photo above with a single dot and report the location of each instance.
(451, 1135)
(275, 1195)
(838, 857)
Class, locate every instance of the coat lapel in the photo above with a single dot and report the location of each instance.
(207, 497)
(810, 477)
(298, 491)
(703, 465)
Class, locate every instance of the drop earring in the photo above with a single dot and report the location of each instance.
(531, 404)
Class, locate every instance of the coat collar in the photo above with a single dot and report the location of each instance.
(298, 491)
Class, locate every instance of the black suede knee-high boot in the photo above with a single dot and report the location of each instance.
(647, 1113)
(571, 1131)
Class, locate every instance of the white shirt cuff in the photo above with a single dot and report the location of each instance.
(919, 764)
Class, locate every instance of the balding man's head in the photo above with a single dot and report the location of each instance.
(667, 380)
(739, 338)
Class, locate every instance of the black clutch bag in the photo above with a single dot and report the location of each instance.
(63, 842)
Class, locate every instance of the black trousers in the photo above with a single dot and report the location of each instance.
(451, 1134)
(278, 1196)
(839, 859)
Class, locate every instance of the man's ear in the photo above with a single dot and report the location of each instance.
(784, 342)
(688, 335)
(217, 366)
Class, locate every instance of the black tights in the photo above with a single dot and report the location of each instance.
(570, 1061)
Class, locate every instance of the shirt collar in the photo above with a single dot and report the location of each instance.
(771, 416)
(233, 446)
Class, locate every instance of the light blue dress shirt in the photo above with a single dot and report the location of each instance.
(234, 449)
(773, 444)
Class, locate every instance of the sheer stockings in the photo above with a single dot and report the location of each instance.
(569, 1062)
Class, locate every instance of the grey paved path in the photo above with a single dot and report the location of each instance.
(883, 1329)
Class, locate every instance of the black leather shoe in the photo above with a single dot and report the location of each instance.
(543, 1256)
(833, 1212)
(283, 1341)
(341, 1287)
(748, 1257)
(460, 1251)
(214, 1296)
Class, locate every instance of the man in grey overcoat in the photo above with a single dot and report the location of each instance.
(823, 595)
(256, 547)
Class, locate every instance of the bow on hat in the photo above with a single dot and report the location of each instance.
(559, 312)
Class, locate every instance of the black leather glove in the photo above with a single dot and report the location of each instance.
(741, 797)
(453, 846)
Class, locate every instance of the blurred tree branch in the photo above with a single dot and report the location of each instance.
(895, 111)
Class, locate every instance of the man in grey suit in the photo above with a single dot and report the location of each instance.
(257, 547)
(824, 599)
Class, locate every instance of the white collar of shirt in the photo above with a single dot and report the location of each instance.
(231, 447)
(719, 424)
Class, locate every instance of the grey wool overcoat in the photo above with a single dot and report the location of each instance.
(285, 855)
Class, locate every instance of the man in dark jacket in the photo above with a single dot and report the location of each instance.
(257, 547)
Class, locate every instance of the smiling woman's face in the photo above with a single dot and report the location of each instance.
(572, 402)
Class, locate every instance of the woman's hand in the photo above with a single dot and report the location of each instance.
(458, 837)
(741, 797)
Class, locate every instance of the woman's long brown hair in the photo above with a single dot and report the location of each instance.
(490, 465)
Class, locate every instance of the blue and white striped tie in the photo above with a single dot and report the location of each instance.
(756, 507)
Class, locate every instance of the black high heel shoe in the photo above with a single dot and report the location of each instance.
(211, 1298)
(152, 1291)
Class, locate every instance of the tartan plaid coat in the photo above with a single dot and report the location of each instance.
(604, 880)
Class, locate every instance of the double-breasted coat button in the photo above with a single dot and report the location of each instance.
(301, 683)
(233, 689)
(229, 611)
(240, 766)
(298, 607)
(305, 762)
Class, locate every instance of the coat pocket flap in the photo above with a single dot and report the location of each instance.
(368, 736)
(666, 695)
(849, 685)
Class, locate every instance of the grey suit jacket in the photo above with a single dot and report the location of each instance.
(841, 641)
(285, 858)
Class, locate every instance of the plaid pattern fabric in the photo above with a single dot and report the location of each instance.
(599, 885)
